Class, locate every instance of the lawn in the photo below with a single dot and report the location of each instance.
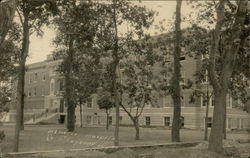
(55, 137)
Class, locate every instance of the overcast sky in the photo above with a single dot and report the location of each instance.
(40, 47)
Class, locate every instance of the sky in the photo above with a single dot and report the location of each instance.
(40, 47)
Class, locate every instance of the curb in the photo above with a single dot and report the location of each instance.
(110, 149)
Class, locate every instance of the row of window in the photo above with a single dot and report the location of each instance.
(33, 77)
(238, 123)
(211, 102)
(147, 120)
(32, 92)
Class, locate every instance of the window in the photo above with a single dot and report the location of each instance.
(182, 100)
(238, 122)
(29, 92)
(182, 58)
(209, 122)
(203, 101)
(88, 120)
(147, 121)
(229, 123)
(242, 124)
(120, 118)
(35, 76)
(44, 76)
(61, 105)
(167, 121)
(35, 91)
(99, 120)
(52, 84)
(89, 103)
(110, 120)
(212, 102)
(60, 85)
(229, 100)
(30, 78)
(204, 79)
(51, 103)
(182, 121)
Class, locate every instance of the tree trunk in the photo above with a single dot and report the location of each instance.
(137, 128)
(225, 124)
(206, 117)
(22, 109)
(107, 122)
(81, 111)
(220, 82)
(70, 89)
(114, 78)
(7, 12)
(216, 136)
(21, 81)
(175, 132)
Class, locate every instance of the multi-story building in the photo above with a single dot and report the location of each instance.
(44, 86)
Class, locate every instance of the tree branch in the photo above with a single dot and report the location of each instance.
(234, 42)
(129, 113)
(20, 16)
(215, 45)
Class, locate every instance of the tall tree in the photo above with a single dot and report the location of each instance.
(111, 39)
(76, 31)
(226, 43)
(175, 131)
(33, 14)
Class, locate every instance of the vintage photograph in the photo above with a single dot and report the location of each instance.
(124, 79)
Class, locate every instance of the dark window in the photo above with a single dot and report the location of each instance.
(36, 76)
(182, 58)
(44, 76)
(182, 121)
(213, 102)
(60, 85)
(110, 120)
(29, 92)
(166, 121)
(120, 118)
(209, 122)
(34, 91)
(204, 100)
(147, 121)
(61, 105)
(99, 120)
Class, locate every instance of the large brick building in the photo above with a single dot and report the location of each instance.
(44, 87)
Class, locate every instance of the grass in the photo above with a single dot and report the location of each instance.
(55, 137)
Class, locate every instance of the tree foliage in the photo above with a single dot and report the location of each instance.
(228, 40)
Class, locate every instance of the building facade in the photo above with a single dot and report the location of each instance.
(44, 97)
